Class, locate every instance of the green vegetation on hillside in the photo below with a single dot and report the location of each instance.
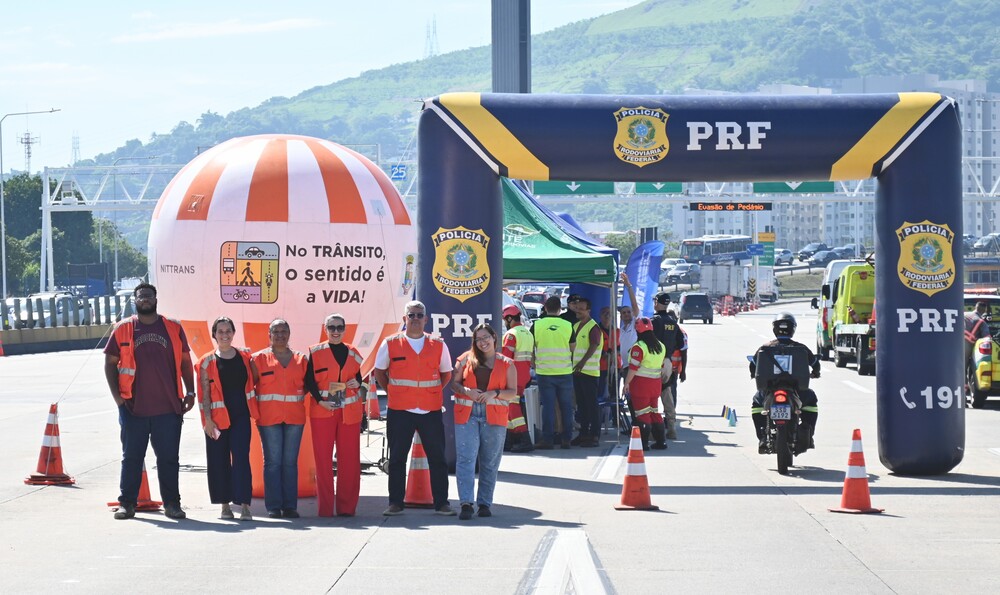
(659, 46)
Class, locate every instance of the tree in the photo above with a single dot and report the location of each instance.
(625, 243)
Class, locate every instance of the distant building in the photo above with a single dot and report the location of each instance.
(839, 222)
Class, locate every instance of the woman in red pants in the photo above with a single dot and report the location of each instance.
(334, 377)
(643, 381)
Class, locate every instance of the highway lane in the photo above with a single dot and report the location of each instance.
(722, 505)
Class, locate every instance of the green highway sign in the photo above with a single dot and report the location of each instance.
(658, 188)
(554, 187)
(792, 187)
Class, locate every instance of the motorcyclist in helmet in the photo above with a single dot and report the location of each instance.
(783, 327)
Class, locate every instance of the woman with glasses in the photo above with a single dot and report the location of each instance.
(225, 391)
(333, 377)
(484, 383)
(281, 416)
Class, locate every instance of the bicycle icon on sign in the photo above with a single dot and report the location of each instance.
(241, 294)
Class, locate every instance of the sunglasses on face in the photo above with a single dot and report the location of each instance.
(412, 315)
(336, 328)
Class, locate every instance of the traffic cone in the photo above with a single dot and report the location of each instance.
(732, 417)
(418, 482)
(635, 489)
(144, 503)
(856, 498)
(374, 412)
(50, 465)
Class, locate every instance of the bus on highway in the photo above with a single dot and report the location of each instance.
(711, 249)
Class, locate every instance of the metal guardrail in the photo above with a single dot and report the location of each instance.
(63, 311)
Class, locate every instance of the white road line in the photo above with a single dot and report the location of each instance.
(569, 566)
(995, 451)
(610, 463)
(856, 386)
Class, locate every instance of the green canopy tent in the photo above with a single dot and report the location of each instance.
(535, 248)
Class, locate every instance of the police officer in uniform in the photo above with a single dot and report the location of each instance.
(668, 332)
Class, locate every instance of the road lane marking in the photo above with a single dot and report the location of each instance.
(565, 562)
(856, 386)
(607, 468)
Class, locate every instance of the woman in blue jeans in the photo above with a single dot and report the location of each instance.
(484, 382)
(279, 408)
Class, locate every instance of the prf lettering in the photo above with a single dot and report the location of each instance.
(931, 320)
(727, 135)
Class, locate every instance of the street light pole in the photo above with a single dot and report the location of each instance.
(3, 218)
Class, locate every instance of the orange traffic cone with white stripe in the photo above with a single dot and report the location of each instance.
(145, 502)
(418, 482)
(374, 412)
(856, 498)
(635, 490)
(50, 466)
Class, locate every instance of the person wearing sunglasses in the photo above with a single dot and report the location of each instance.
(484, 383)
(333, 378)
(413, 367)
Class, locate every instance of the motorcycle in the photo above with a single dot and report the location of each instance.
(782, 409)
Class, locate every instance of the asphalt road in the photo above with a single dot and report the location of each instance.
(728, 522)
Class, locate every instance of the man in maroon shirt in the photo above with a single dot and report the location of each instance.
(143, 372)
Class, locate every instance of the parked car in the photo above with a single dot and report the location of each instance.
(533, 297)
(845, 252)
(695, 305)
(822, 258)
(810, 249)
(533, 309)
(783, 256)
(968, 244)
(65, 303)
(684, 273)
(988, 243)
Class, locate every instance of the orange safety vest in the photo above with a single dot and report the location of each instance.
(125, 334)
(970, 335)
(607, 349)
(280, 390)
(327, 370)
(208, 365)
(414, 378)
(496, 409)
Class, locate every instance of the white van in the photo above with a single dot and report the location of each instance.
(824, 318)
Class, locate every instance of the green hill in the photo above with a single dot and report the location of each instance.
(659, 46)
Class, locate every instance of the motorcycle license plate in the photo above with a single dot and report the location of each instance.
(781, 412)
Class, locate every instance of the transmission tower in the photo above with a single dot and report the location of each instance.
(431, 44)
(27, 140)
(76, 148)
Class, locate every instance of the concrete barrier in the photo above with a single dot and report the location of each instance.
(61, 338)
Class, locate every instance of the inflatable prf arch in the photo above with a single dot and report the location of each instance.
(910, 142)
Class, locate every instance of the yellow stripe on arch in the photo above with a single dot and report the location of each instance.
(494, 136)
(857, 163)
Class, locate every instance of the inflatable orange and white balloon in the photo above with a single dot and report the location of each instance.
(285, 226)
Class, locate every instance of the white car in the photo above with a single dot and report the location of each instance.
(783, 256)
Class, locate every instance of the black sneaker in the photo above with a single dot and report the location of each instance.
(173, 511)
(762, 448)
(544, 445)
(290, 513)
(127, 511)
(274, 514)
(484, 511)
(466, 513)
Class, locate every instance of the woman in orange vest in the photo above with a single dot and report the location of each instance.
(333, 378)
(280, 411)
(484, 382)
(646, 360)
(225, 387)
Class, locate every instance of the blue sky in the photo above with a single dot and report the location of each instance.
(123, 70)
